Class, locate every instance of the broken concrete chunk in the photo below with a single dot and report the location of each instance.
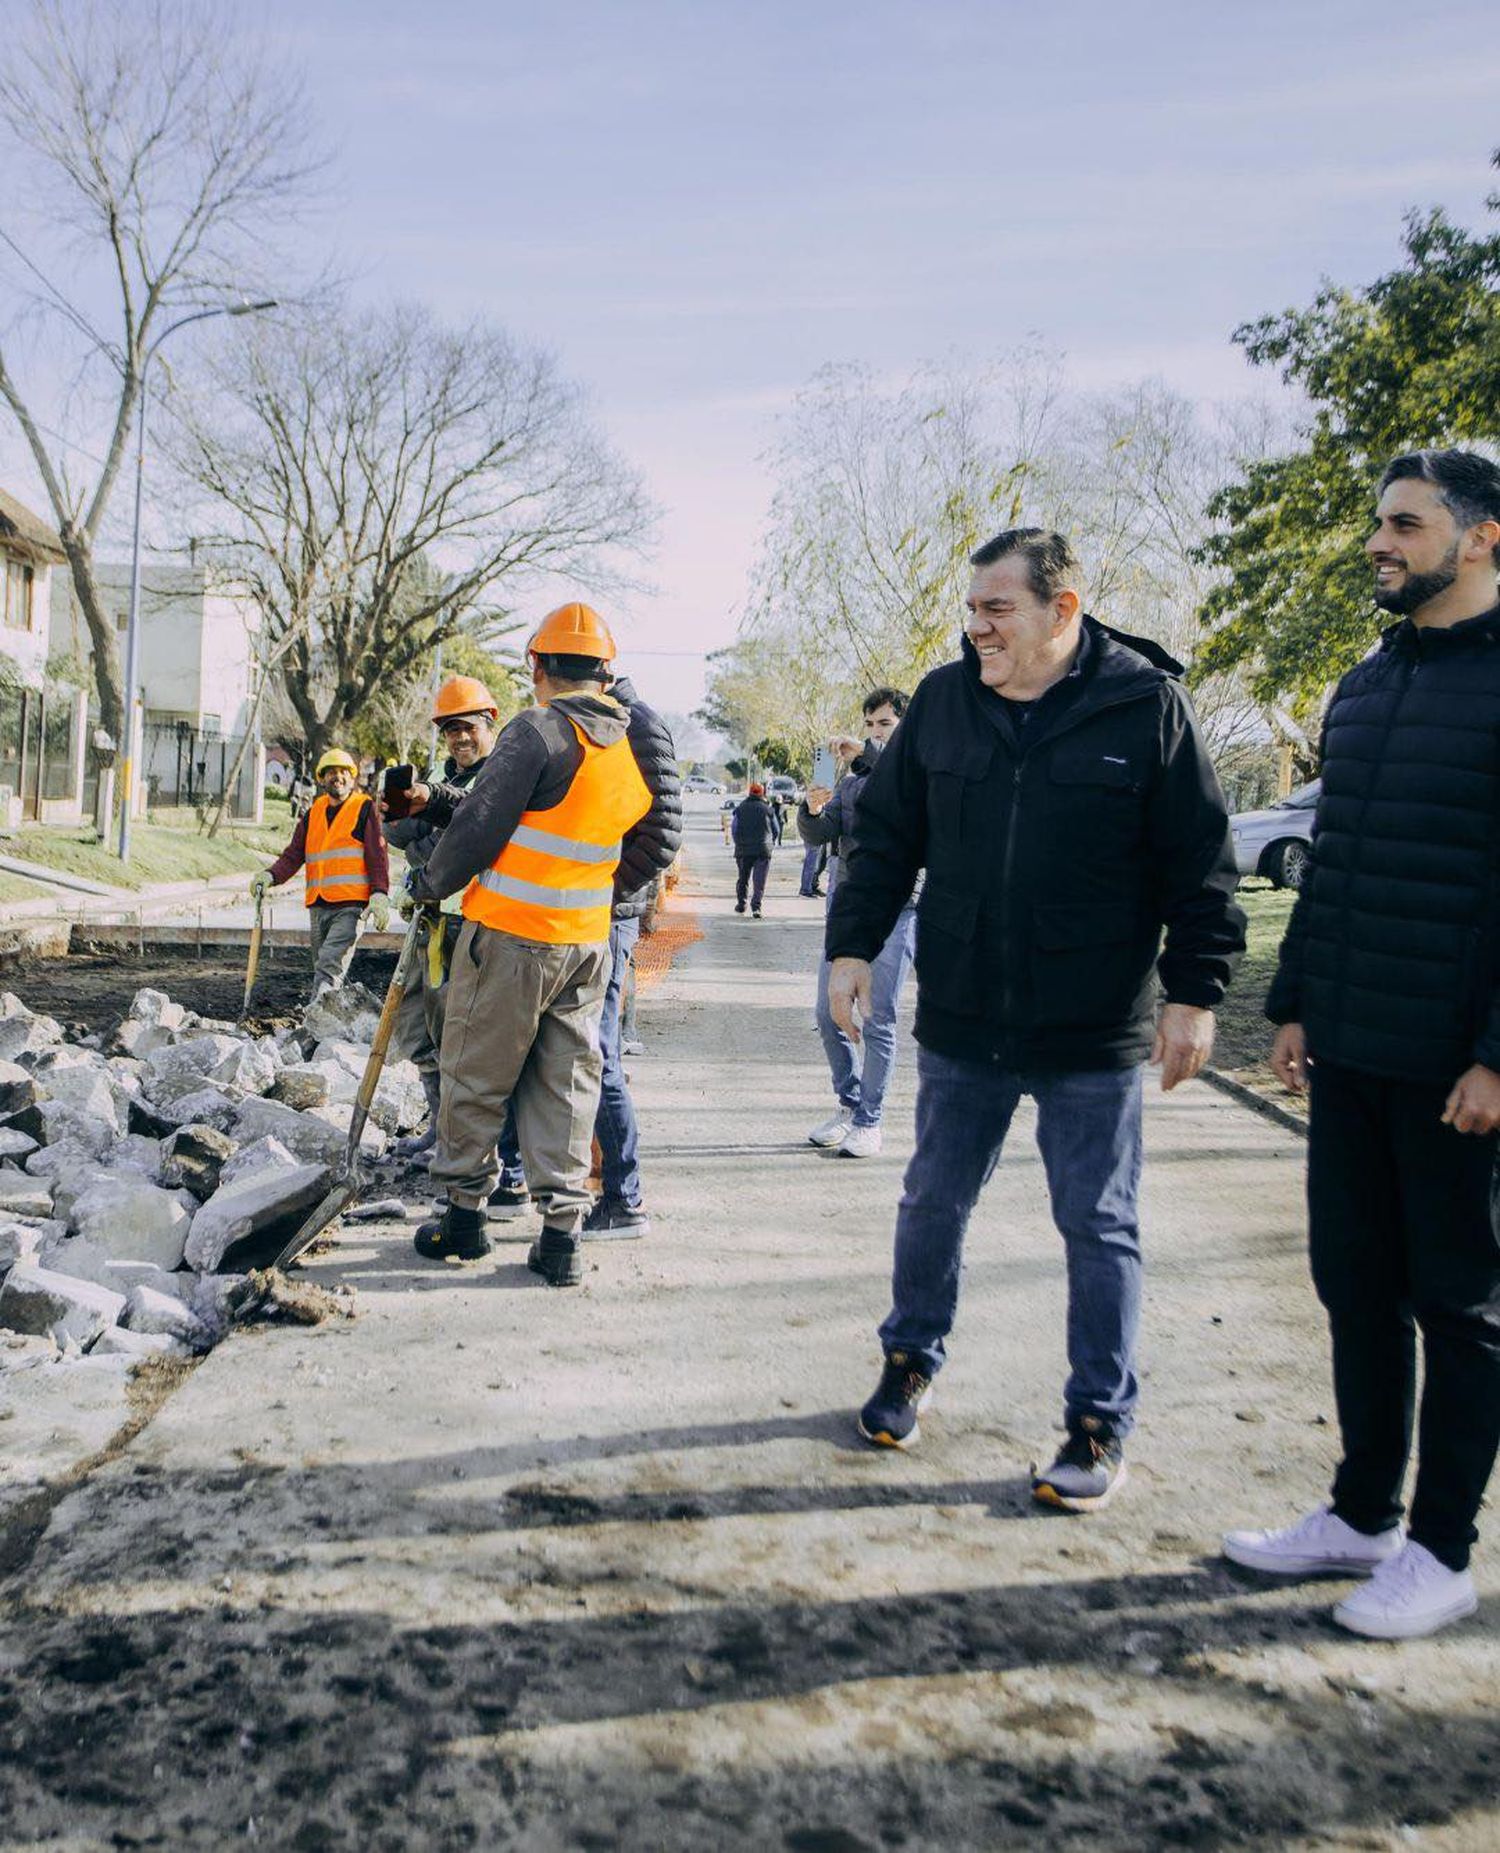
(119, 1341)
(157, 1009)
(69, 1182)
(22, 1195)
(212, 1297)
(17, 1088)
(22, 1032)
(136, 1153)
(248, 1221)
(267, 1154)
(146, 1310)
(15, 1144)
(26, 1351)
(133, 1220)
(350, 1014)
(19, 1241)
(208, 1106)
(371, 1138)
(192, 1158)
(87, 1091)
(302, 1085)
(189, 1063)
(33, 1299)
(84, 1260)
(309, 1138)
(252, 1067)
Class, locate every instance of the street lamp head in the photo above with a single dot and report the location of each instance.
(253, 308)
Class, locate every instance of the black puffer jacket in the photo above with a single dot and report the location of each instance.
(656, 839)
(1392, 955)
(1054, 859)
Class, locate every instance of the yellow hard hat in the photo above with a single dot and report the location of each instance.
(336, 756)
(573, 630)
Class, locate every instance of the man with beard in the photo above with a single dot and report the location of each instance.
(1388, 1000)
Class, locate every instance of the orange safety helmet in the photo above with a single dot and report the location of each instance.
(463, 695)
(573, 630)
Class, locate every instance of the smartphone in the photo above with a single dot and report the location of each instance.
(825, 769)
(397, 790)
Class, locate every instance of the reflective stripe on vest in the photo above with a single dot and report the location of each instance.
(553, 882)
(335, 858)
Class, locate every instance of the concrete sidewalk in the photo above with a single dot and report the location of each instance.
(494, 1565)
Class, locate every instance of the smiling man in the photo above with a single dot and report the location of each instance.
(1388, 999)
(1054, 786)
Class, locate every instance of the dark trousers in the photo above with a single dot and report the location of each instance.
(753, 872)
(1401, 1237)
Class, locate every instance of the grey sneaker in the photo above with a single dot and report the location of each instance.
(1088, 1472)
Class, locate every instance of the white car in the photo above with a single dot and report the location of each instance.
(1274, 842)
(696, 782)
(784, 788)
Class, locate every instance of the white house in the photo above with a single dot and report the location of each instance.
(42, 736)
(29, 550)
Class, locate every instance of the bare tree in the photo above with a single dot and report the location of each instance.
(377, 479)
(153, 150)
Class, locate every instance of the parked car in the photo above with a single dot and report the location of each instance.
(696, 782)
(1274, 842)
(784, 788)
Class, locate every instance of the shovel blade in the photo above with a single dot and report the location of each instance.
(327, 1213)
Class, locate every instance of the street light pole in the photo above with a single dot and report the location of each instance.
(133, 621)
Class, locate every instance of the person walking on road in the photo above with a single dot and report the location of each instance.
(1387, 994)
(619, 1212)
(754, 839)
(534, 848)
(338, 844)
(1054, 786)
(861, 1071)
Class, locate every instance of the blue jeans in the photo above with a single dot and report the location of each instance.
(1089, 1134)
(812, 867)
(512, 1171)
(862, 1072)
(614, 1124)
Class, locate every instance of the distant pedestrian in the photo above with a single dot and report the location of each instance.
(754, 840)
(1054, 786)
(814, 861)
(339, 845)
(861, 1072)
(1388, 998)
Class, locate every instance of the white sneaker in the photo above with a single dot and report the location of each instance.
(833, 1131)
(1410, 1594)
(1318, 1545)
(860, 1142)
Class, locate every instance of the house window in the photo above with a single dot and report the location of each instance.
(122, 622)
(16, 594)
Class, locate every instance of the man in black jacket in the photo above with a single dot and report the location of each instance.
(619, 1213)
(1054, 786)
(754, 838)
(1388, 999)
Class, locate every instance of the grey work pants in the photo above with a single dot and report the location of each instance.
(419, 1021)
(522, 1021)
(332, 932)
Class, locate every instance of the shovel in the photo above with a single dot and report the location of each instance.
(252, 964)
(346, 1182)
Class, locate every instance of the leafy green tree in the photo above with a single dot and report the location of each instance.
(1411, 361)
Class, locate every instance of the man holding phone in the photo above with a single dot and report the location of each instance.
(826, 819)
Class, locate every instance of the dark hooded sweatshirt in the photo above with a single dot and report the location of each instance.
(533, 765)
(1061, 840)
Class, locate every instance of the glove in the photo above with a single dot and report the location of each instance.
(406, 904)
(380, 912)
(260, 884)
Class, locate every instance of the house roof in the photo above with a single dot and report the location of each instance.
(28, 531)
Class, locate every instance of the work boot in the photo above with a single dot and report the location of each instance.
(555, 1256)
(417, 1145)
(457, 1235)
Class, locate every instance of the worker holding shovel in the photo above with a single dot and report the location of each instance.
(338, 842)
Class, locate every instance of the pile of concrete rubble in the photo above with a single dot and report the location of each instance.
(141, 1174)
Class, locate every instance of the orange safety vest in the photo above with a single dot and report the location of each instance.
(335, 854)
(554, 880)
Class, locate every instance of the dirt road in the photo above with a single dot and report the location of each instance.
(496, 1566)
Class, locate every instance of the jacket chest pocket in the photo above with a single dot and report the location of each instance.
(957, 774)
(1096, 793)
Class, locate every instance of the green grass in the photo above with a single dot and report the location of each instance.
(168, 848)
(17, 888)
(1243, 1038)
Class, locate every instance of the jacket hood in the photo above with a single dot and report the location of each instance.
(1117, 656)
(601, 717)
(622, 689)
(1403, 635)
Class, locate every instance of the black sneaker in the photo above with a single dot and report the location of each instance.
(554, 1255)
(614, 1222)
(739, 907)
(889, 1419)
(1088, 1472)
(508, 1200)
(456, 1235)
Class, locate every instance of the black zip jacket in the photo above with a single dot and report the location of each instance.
(1056, 855)
(1391, 959)
(752, 829)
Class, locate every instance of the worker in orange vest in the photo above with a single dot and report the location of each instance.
(534, 848)
(338, 842)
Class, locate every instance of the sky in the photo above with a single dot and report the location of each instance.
(695, 207)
